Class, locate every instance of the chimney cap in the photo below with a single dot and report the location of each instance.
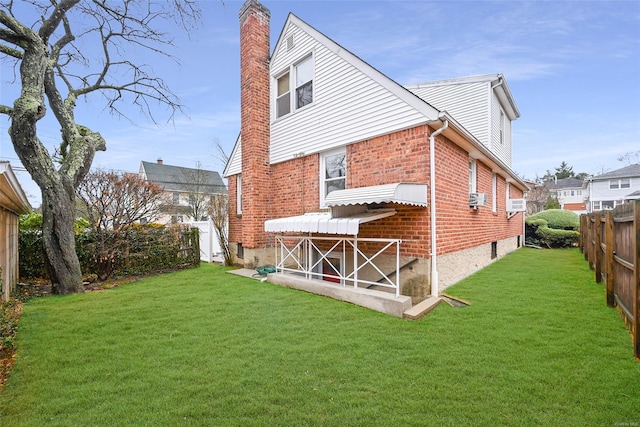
(159, 160)
(249, 4)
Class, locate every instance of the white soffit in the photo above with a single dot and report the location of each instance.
(323, 222)
(404, 193)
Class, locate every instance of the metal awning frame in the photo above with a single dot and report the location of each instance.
(303, 255)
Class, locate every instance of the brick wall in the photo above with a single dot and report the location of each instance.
(255, 120)
(403, 157)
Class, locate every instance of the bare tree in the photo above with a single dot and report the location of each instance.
(52, 61)
(113, 202)
(200, 189)
(630, 158)
(219, 213)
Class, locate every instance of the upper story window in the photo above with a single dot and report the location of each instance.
(333, 172)
(294, 88)
(283, 101)
(304, 83)
(472, 175)
(176, 198)
(619, 183)
(501, 127)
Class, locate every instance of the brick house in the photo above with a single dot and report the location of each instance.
(341, 174)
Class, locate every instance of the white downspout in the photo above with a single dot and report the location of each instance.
(432, 200)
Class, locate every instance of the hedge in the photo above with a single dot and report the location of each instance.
(554, 228)
(143, 249)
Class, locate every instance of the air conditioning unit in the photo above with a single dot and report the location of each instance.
(477, 199)
(516, 205)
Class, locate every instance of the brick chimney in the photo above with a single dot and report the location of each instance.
(255, 121)
(159, 160)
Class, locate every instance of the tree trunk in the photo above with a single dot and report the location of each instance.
(58, 218)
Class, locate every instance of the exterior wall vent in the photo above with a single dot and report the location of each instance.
(290, 42)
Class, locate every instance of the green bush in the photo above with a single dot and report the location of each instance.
(554, 228)
(143, 249)
(558, 238)
(558, 219)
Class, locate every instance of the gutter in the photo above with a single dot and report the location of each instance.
(432, 201)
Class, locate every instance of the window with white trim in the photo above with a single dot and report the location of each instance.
(494, 193)
(239, 194)
(502, 130)
(294, 87)
(333, 172)
(472, 175)
(304, 82)
(596, 205)
(283, 98)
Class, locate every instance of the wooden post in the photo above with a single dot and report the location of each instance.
(608, 259)
(598, 255)
(636, 276)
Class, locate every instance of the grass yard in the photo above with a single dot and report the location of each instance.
(538, 346)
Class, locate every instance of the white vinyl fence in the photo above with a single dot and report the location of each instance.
(210, 250)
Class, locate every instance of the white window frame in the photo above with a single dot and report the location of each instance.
(323, 169)
(494, 193)
(625, 182)
(507, 193)
(239, 194)
(596, 205)
(473, 175)
(292, 94)
(286, 94)
(502, 127)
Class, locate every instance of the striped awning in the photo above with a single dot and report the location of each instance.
(403, 193)
(325, 223)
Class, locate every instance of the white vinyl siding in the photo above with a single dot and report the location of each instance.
(500, 149)
(348, 105)
(467, 103)
(234, 165)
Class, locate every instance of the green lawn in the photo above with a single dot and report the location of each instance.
(538, 346)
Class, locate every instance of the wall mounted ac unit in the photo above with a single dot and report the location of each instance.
(477, 199)
(516, 205)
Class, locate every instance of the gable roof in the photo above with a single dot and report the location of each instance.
(12, 197)
(626, 172)
(497, 81)
(570, 182)
(181, 179)
(400, 91)
(431, 115)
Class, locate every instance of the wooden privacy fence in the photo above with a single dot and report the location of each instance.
(610, 241)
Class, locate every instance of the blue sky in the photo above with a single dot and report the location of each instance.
(573, 68)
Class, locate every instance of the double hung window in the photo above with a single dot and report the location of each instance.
(333, 173)
(294, 87)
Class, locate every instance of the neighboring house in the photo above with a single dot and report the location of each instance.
(185, 188)
(13, 203)
(570, 193)
(344, 175)
(613, 188)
